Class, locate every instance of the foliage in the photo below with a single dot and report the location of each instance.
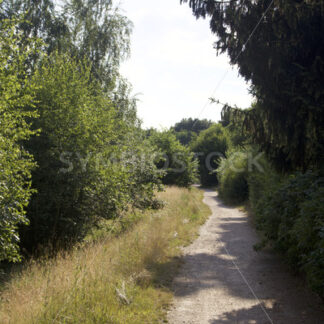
(94, 30)
(190, 124)
(290, 215)
(263, 182)
(41, 20)
(185, 137)
(100, 33)
(93, 160)
(16, 111)
(175, 159)
(83, 286)
(239, 139)
(71, 120)
(143, 176)
(210, 145)
(278, 48)
(281, 54)
(188, 129)
(232, 174)
(83, 150)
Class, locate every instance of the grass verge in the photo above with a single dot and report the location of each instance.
(112, 278)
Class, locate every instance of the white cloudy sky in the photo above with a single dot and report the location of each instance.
(173, 67)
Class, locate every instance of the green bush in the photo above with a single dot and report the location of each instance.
(16, 111)
(309, 232)
(175, 160)
(185, 137)
(210, 145)
(262, 183)
(232, 176)
(188, 129)
(290, 213)
(92, 163)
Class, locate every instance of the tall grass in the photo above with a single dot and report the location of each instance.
(113, 278)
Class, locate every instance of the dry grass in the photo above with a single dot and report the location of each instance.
(124, 279)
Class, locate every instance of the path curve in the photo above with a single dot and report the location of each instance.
(223, 280)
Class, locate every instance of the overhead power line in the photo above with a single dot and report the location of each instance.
(235, 60)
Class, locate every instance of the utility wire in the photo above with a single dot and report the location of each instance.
(235, 60)
(222, 244)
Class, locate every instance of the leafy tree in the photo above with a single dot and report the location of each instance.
(175, 160)
(282, 56)
(138, 160)
(232, 175)
(93, 160)
(41, 20)
(100, 33)
(68, 117)
(239, 138)
(16, 112)
(185, 137)
(210, 146)
(188, 129)
(87, 29)
(92, 163)
(194, 125)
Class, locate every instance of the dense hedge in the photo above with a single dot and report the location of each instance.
(90, 159)
(175, 161)
(188, 129)
(290, 214)
(288, 210)
(210, 146)
(232, 175)
(16, 109)
(92, 164)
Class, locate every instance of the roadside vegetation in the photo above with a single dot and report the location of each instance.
(210, 146)
(73, 152)
(121, 273)
(276, 153)
(87, 232)
(176, 159)
(188, 129)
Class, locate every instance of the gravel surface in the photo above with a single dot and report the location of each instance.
(223, 280)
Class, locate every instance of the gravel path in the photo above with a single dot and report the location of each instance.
(223, 280)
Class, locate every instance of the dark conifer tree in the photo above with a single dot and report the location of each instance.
(278, 47)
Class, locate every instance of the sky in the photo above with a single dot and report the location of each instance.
(173, 66)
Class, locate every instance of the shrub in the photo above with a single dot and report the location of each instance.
(210, 145)
(232, 176)
(291, 216)
(309, 232)
(16, 100)
(262, 183)
(185, 137)
(188, 129)
(89, 157)
(176, 160)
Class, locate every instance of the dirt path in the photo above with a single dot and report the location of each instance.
(224, 280)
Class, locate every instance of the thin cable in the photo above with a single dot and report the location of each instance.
(245, 280)
(239, 271)
(254, 30)
(236, 58)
